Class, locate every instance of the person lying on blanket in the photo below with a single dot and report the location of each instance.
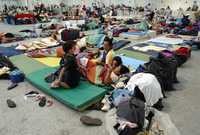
(108, 53)
(6, 37)
(115, 71)
(69, 75)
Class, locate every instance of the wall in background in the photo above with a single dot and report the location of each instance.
(174, 4)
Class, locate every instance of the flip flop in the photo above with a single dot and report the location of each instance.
(90, 121)
(49, 103)
(42, 102)
(39, 97)
(12, 86)
(11, 103)
(32, 94)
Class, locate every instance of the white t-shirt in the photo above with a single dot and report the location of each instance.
(149, 86)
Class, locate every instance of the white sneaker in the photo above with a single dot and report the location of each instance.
(104, 100)
(106, 108)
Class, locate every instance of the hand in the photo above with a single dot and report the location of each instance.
(110, 68)
(57, 82)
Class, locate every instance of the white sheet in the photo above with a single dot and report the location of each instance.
(165, 40)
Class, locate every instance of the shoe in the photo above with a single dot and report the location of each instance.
(104, 100)
(32, 94)
(12, 86)
(49, 103)
(11, 103)
(106, 107)
(90, 121)
(42, 102)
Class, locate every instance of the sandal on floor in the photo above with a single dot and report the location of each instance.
(12, 86)
(90, 121)
(11, 103)
(39, 97)
(32, 94)
(42, 102)
(49, 103)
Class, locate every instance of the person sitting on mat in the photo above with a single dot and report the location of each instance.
(108, 53)
(69, 75)
(115, 71)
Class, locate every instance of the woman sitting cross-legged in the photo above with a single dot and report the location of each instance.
(69, 75)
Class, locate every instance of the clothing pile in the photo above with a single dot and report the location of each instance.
(180, 26)
(39, 44)
(141, 91)
(6, 67)
(164, 68)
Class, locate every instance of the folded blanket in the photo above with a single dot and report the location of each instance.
(40, 44)
(49, 52)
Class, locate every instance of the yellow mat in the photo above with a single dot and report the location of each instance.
(49, 61)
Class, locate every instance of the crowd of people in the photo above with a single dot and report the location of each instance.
(131, 90)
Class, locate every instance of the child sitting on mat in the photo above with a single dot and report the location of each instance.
(69, 75)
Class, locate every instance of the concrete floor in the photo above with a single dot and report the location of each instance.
(29, 119)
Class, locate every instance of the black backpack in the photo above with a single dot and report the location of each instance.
(172, 63)
(70, 34)
(163, 71)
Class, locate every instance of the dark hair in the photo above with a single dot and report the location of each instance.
(118, 59)
(9, 35)
(109, 40)
(68, 45)
(124, 70)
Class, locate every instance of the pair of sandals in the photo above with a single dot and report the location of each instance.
(39, 97)
(43, 101)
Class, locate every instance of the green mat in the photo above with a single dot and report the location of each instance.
(26, 64)
(135, 55)
(78, 98)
